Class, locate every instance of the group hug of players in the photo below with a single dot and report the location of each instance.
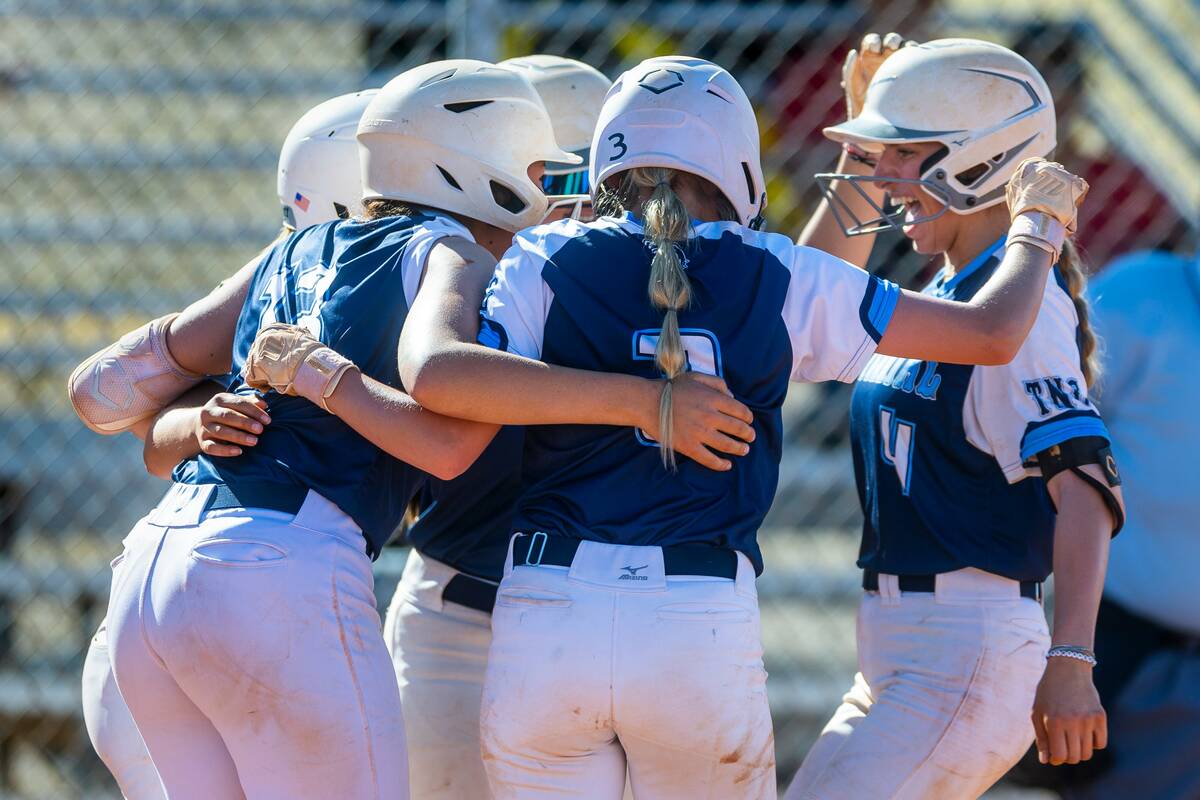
(541, 309)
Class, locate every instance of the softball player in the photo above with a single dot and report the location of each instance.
(961, 469)
(624, 577)
(317, 181)
(438, 626)
(286, 529)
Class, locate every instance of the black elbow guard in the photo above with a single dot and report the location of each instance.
(1075, 453)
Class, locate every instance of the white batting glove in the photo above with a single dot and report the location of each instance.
(289, 360)
(862, 64)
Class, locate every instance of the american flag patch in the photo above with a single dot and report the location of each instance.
(301, 202)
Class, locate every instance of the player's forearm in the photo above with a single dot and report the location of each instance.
(1081, 539)
(170, 436)
(823, 231)
(475, 382)
(391, 420)
(989, 329)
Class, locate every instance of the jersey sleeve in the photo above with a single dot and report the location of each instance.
(1038, 400)
(424, 237)
(513, 316)
(835, 315)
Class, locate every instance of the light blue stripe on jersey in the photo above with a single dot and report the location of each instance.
(1072, 425)
(883, 296)
(941, 289)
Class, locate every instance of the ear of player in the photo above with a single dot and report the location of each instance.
(986, 106)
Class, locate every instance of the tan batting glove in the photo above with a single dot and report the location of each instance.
(862, 64)
(1043, 202)
(289, 360)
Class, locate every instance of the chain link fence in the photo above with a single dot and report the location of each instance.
(137, 150)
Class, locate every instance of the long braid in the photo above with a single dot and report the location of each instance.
(666, 225)
(1071, 267)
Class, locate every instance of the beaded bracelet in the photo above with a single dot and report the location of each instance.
(1069, 651)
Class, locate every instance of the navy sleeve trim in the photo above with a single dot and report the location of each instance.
(878, 304)
(1069, 425)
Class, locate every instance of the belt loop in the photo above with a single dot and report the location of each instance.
(889, 589)
(541, 546)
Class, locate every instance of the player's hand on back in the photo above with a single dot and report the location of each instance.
(228, 422)
(1068, 720)
(706, 419)
(862, 64)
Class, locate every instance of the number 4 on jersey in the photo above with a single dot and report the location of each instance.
(896, 440)
(701, 348)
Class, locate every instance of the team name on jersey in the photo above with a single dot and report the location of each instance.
(904, 374)
(1053, 394)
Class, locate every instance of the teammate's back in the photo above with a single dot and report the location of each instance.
(349, 283)
(754, 305)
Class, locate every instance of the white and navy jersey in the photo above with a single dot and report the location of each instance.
(942, 452)
(764, 311)
(467, 522)
(350, 283)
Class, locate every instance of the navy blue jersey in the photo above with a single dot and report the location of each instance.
(942, 452)
(349, 283)
(763, 311)
(467, 522)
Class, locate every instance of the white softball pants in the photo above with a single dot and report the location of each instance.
(587, 673)
(440, 652)
(111, 728)
(247, 646)
(941, 705)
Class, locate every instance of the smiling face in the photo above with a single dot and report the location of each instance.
(904, 161)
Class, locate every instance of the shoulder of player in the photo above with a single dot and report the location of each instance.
(543, 241)
(787, 252)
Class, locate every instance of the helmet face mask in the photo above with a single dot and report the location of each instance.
(986, 106)
(888, 215)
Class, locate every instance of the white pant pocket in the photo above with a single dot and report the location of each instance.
(525, 597)
(238, 553)
(706, 613)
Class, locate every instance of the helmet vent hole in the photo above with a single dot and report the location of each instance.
(341, 211)
(449, 178)
(996, 159)
(749, 182)
(506, 198)
(441, 76)
(469, 105)
(972, 176)
(720, 95)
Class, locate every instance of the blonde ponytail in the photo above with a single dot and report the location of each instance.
(667, 225)
(1071, 267)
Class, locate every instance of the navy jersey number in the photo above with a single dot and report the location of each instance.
(618, 140)
(897, 438)
(701, 350)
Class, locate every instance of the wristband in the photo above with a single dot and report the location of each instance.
(1040, 230)
(1070, 651)
(319, 375)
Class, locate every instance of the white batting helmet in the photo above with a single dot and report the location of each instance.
(686, 114)
(987, 106)
(460, 136)
(318, 178)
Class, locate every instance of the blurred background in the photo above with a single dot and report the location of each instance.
(138, 142)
